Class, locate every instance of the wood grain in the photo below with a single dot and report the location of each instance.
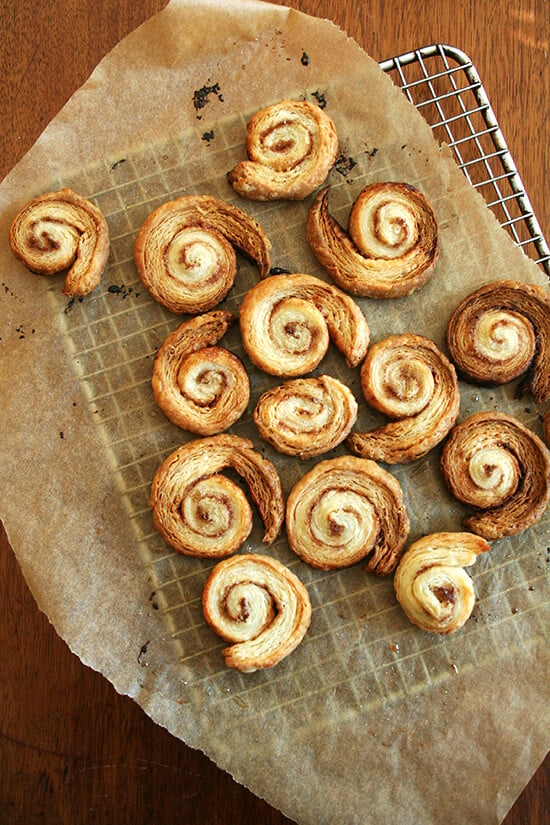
(72, 750)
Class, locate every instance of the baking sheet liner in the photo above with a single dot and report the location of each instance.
(364, 679)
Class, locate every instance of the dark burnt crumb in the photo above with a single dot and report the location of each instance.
(304, 60)
(142, 652)
(343, 165)
(123, 290)
(404, 146)
(118, 163)
(72, 302)
(201, 96)
(61, 434)
(279, 270)
(372, 152)
(320, 98)
(154, 605)
(208, 136)
(527, 410)
(20, 331)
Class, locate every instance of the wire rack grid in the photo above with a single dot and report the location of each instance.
(116, 331)
(443, 84)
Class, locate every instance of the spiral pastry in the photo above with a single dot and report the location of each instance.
(287, 322)
(430, 584)
(392, 244)
(306, 417)
(407, 378)
(291, 148)
(62, 232)
(344, 510)
(201, 513)
(493, 463)
(259, 606)
(200, 387)
(502, 331)
(185, 252)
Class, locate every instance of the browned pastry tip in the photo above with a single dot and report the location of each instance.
(185, 254)
(407, 378)
(258, 605)
(287, 321)
(306, 417)
(495, 464)
(291, 146)
(200, 387)
(501, 332)
(345, 510)
(391, 247)
(62, 232)
(201, 513)
(431, 585)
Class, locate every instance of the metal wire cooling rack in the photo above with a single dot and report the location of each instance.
(443, 84)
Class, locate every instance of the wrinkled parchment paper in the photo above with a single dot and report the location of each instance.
(370, 719)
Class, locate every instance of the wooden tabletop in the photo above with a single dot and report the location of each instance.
(71, 749)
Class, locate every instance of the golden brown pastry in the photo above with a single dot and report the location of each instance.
(306, 417)
(288, 320)
(62, 232)
(391, 247)
(493, 463)
(201, 513)
(430, 584)
(345, 510)
(291, 146)
(184, 251)
(200, 387)
(502, 331)
(408, 379)
(259, 606)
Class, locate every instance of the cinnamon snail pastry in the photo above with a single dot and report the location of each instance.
(258, 605)
(291, 147)
(391, 247)
(431, 585)
(345, 510)
(202, 513)
(62, 232)
(200, 387)
(493, 463)
(185, 253)
(408, 379)
(501, 332)
(306, 417)
(287, 322)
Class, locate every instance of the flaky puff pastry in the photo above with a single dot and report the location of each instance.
(431, 585)
(345, 510)
(495, 464)
(306, 417)
(259, 606)
(408, 379)
(202, 513)
(185, 254)
(200, 387)
(62, 232)
(501, 332)
(291, 146)
(391, 247)
(287, 322)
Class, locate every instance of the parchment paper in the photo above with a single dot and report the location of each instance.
(370, 719)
